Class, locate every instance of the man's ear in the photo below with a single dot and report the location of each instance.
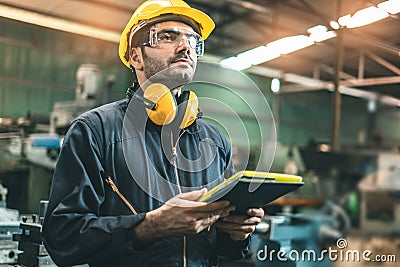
(136, 58)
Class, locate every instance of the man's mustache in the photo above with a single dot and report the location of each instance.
(180, 56)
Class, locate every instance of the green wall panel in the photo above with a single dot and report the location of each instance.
(17, 31)
(39, 65)
(13, 60)
(388, 124)
(303, 116)
(39, 100)
(53, 40)
(16, 102)
(309, 115)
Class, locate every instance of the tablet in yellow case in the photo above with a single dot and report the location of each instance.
(237, 190)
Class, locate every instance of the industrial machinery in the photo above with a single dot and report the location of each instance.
(41, 150)
(29, 145)
(379, 194)
(32, 253)
(88, 77)
(9, 225)
(8, 248)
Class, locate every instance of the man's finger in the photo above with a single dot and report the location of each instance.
(242, 221)
(193, 195)
(230, 227)
(256, 212)
(237, 219)
(215, 214)
(214, 206)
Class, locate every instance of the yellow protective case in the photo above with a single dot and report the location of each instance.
(268, 186)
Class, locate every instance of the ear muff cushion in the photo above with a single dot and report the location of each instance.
(166, 106)
(188, 108)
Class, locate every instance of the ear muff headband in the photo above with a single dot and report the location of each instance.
(165, 110)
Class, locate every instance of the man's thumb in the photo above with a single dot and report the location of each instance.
(193, 195)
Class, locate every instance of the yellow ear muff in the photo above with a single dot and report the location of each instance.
(191, 110)
(162, 107)
(165, 109)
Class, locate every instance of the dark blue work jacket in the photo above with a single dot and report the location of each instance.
(86, 222)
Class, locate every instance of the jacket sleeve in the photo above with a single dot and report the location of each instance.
(73, 230)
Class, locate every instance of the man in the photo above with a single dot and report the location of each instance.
(128, 177)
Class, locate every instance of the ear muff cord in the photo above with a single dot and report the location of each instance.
(131, 92)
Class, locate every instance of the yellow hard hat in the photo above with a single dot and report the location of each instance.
(151, 9)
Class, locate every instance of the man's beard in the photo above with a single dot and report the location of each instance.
(157, 71)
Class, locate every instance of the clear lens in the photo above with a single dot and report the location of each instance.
(175, 36)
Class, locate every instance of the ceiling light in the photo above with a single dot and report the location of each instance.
(319, 37)
(275, 85)
(334, 25)
(235, 63)
(371, 106)
(57, 23)
(259, 55)
(320, 33)
(290, 44)
(366, 16)
(317, 29)
(344, 20)
(317, 33)
(392, 6)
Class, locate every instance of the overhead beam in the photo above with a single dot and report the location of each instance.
(331, 70)
(383, 62)
(313, 84)
(107, 5)
(372, 81)
(250, 6)
(368, 39)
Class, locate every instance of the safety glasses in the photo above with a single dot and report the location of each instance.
(174, 36)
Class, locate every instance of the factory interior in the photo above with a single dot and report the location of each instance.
(302, 87)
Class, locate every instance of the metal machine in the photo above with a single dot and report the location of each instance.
(32, 253)
(41, 150)
(9, 225)
(379, 194)
(88, 77)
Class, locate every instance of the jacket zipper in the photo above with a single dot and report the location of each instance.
(116, 190)
(174, 159)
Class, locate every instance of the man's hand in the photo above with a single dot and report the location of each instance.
(239, 227)
(181, 214)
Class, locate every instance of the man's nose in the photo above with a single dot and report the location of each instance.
(184, 44)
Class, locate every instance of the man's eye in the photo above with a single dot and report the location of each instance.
(168, 37)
